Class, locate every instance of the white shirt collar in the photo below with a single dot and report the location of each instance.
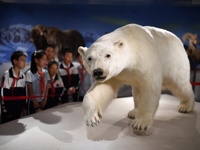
(65, 65)
(14, 74)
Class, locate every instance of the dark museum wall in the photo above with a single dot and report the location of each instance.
(17, 20)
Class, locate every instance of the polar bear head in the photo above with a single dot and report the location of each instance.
(103, 59)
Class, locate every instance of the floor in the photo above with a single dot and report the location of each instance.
(63, 128)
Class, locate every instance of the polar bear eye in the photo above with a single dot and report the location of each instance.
(108, 56)
(89, 58)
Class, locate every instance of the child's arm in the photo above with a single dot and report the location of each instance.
(30, 91)
(46, 96)
(75, 80)
(2, 84)
(31, 94)
(62, 87)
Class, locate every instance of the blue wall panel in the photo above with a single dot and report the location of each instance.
(17, 20)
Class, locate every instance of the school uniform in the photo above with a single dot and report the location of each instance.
(12, 87)
(55, 89)
(70, 78)
(39, 90)
(85, 82)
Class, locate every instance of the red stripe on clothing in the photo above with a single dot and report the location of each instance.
(68, 75)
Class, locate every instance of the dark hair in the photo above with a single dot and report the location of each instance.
(36, 55)
(50, 45)
(52, 63)
(15, 56)
(66, 50)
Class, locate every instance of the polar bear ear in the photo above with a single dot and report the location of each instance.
(119, 44)
(82, 50)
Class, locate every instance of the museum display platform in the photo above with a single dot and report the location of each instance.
(63, 128)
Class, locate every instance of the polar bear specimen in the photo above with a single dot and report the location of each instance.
(148, 59)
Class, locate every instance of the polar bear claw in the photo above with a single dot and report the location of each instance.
(140, 126)
(132, 114)
(93, 116)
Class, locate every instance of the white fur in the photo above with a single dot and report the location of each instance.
(146, 58)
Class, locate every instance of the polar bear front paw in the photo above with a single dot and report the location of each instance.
(132, 114)
(93, 115)
(141, 126)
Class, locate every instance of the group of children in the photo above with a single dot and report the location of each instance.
(46, 84)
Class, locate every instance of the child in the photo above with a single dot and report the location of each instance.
(69, 75)
(14, 88)
(50, 51)
(37, 79)
(56, 86)
(86, 79)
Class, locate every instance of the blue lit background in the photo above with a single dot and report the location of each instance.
(92, 21)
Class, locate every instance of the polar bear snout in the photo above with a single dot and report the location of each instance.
(98, 74)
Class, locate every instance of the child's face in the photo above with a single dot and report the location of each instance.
(50, 53)
(21, 62)
(53, 70)
(67, 58)
(42, 61)
(80, 60)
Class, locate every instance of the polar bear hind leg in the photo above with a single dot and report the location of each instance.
(185, 94)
